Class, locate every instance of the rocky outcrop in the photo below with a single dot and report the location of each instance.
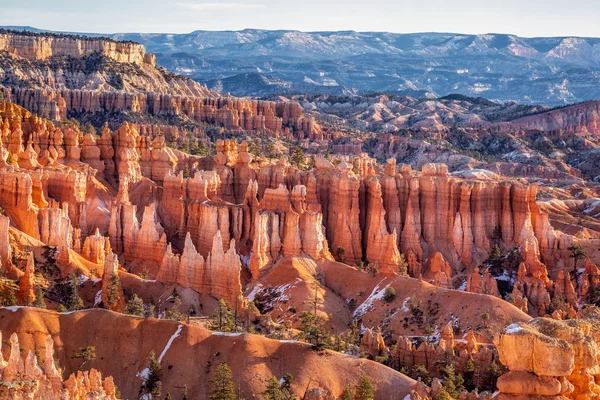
(461, 350)
(26, 285)
(96, 247)
(5, 249)
(482, 284)
(41, 379)
(111, 292)
(145, 241)
(283, 227)
(40, 47)
(217, 276)
(583, 117)
(549, 359)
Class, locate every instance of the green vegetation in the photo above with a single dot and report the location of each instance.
(75, 303)
(39, 298)
(364, 390)
(86, 354)
(113, 294)
(152, 384)
(222, 383)
(279, 391)
(223, 320)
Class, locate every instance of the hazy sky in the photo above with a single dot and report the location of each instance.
(521, 17)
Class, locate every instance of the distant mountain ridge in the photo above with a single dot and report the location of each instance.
(503, 67)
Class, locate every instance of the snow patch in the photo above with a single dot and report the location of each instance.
(405, 305)
(12, 308)
(98, 298)
(170, 342)
(367, 305)
(227, 334)
(512, 329)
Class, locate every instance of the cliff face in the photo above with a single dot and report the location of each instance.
(39, 378)
(580, 118)
(355, 212)
(549, 359)
(110, 78)
(40, 47)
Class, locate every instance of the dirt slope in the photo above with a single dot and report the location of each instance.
(123, 343)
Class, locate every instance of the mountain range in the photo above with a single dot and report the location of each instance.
(501, 67)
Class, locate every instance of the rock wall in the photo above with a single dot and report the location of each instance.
(549, 359)
(41, 47)
(217, 276)
(31, 377)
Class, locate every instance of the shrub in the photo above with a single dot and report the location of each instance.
(389, 294)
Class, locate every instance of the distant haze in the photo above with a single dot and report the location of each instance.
(521, 17)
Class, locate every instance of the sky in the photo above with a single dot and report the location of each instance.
(527, 18)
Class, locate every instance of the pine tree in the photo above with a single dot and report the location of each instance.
(453, 382)
(403, 265)
(8, 297)
(577, 252)
(86, 354)
(273, 391)
(39, 298)
(76, 303)
(152, 384)
(348, 393)
(173, 313)
(364, 390)
(222, 320)
(135, 306)
(222, 382)
(113, 294)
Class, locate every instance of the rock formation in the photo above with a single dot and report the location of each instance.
(549, 359)
(40, 379)
(217, 276)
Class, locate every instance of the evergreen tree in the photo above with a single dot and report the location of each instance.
(168, 397)
(152, 384)
(173, 313)
(8, 297)
(223, 388)
(403, 265)
(364, 389)
(39, 298)
(453, 382)
(76, 303)
(279, 391)
(313, 330)
(86, 354)
(273, 391)
(577, 253)
(223, 320)
(348, 393)
(297, 157)
(135, 306)
(114, 291)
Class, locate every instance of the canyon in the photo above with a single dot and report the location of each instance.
(309, 237)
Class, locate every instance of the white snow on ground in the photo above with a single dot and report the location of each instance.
(12, 308)
(591, 207)
(98, 298)
(513, 328)
(145, 373)
(226, 334)
(367, 305)
(170, 342)
(252, 295)
(463, 286)
(405, 306)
